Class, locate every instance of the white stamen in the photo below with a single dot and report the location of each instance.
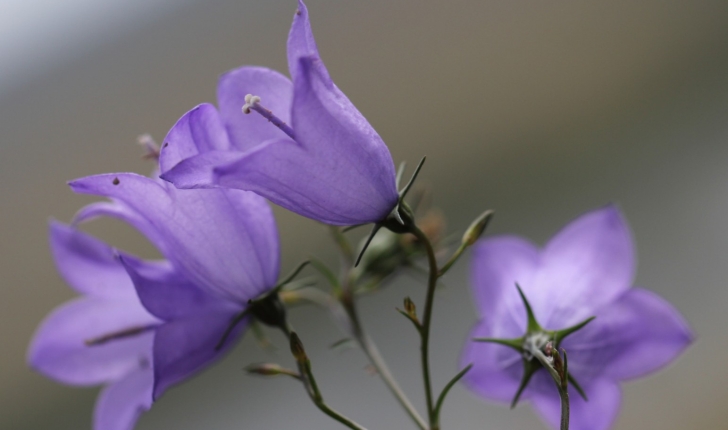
(250, 101)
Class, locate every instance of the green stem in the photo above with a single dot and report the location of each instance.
(426, 320)
(453, 259)
(564, 409)
(309, 382)
(371, 351)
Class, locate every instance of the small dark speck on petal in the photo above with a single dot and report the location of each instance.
(166, 144)
(298, 12)
(115, 181)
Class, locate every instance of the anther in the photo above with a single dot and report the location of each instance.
(252, 103)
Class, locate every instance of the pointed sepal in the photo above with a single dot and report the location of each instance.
(529, 368)
(516, 344)
(533, 325)
(560, 335)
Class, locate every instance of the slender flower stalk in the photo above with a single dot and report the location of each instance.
(309, 381)
(426, 322)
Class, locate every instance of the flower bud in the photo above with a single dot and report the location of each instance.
(297, 348)
(270, 369)
(476, 229)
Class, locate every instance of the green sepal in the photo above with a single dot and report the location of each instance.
(576, 385)
(516, 344)
(529, 368)
(559, 335)
(289, 278)
(533, 325)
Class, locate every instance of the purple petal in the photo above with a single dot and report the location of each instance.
(120, 404)
(184, 347)
(59, 349)
(598, 413)
(499, 264)
(165, 292)
(637, 335)
(329, 126)
(223, 240)
(300, 40)
(497, 369)
(199, 171)
(289, 176)
(87, 264)
(590, 263)
(119, 210)
(199, 130)
(276, 93)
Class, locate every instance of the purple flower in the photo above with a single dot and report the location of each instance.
(585, 270)
(329, 164)
(221, 249)
(74, 344)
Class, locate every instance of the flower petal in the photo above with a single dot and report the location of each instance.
(120, 404)
(223, 240)
(598, 413)
(498, 264)
(199, 130)
(87, 264)
(590, 263)
(118, 210)
(185, 346)
(165, 292)
(287, 175)
(497, 369)
(200, 171)
(59, 349)
(637, 335)
(300, 40)
(276, 93)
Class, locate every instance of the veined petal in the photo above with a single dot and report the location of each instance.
(636, 335)
(121, 403)
(590, 263)
(185, 346)
(276, 93)
(333, 131)
(87, 264)
(59, 349)
(119, 210)
(166, 293)
(199, 171)
(497, 369)
(598, 413)
(300, 40)
(498, 264)
(311, 186)
(223, 240)
(198, 131)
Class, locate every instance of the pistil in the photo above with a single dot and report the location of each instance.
(252, 103)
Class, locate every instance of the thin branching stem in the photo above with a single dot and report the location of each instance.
(371, 351)
(309, 382)
(426, 321)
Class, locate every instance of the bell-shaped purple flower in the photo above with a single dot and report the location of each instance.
(103, 337)
(303, 146)
(585, 270)
(221, 251)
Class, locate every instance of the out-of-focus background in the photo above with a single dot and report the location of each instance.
(539, 110)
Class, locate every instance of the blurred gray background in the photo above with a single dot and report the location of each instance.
(539, 110)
